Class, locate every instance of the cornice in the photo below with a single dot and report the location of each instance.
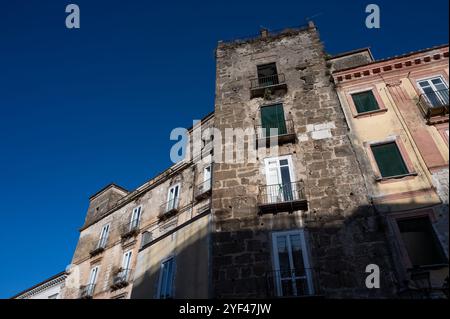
(406, 63)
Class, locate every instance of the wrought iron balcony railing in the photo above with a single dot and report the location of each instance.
(130, 229)
(100, 246)
(284, 134)
(86, 292)
(278, 198)
(203, 190)
(259, 85)
(121, 278)
(169, 208)
(433, 104)
(293, 283)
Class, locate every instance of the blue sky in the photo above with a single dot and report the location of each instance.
(82, 108)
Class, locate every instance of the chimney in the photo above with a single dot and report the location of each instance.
(264, 33)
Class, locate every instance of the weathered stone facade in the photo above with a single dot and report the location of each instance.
(344, 234)
(226, 227)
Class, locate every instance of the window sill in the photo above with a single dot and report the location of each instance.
(370, 113)
(396, 178)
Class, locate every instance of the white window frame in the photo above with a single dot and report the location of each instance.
(429, 79)
(291, 174)
(305, 254)
(172, 258)
(102, 242)
(136, 211)
(206, 185)
(93, 279)
(176, 200)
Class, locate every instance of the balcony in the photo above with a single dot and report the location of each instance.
(170, 208)
(434, 105)
(285, 134)
(86, 292)
(121, 279)
(261, 86)
(203, 190)
(278, 198)
(130, 229)
(293, 283)
(100, 247)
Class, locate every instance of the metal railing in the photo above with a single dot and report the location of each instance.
(267, 81)
(130, 228)
(170, 207)
(434, 103)
(293, 283)
(280, 193)
(121, 278)
(202, 188)
(101, 245)
(263, 132)
(87, 291)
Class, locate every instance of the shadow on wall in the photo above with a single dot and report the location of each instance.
(184, 253)
(261, 257)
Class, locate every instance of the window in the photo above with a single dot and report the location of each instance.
(272, 117)
(92, 281)
(292, 272)
(126, 266)
(389, 160)
(103, 236)
(365, 102)
(165, 287)
(126, 260)
(135, 217)
(267, 74)
(435, 90)
(173, 197)
(207, 178)
(279, 179)
(420, 241)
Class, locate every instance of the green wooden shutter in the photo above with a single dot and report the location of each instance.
(389, 160)
(273, 117)
(365, 102)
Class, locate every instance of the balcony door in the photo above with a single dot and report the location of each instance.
(165, 286)
(267, 74)
(436, 91)
(279, 179)
(207, 178)
(135, 217)
(92, 281)
(272, 117)
(103, 236)
(173, 197)
(126, 265)
(292, 271)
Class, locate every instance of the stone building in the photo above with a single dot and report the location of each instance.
(50, 288)
(294, 211)
(299, 223)
(397, 111)
(132, 243)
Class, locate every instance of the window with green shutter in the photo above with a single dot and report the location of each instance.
(365, 102)
(389, 159)
(273, 117)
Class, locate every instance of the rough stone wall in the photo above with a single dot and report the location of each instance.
(344, 234)
(441, 181)
(349, 61)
